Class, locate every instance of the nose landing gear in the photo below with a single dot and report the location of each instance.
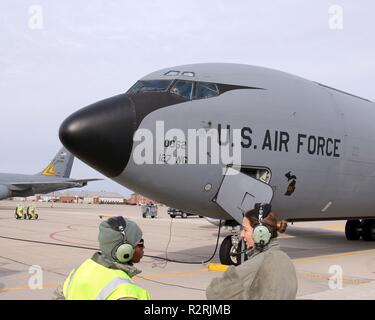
(231, 248)
(228, 249)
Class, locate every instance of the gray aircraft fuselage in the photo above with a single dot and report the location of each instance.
(315, 143)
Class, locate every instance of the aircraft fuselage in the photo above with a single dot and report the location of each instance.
(312, 144)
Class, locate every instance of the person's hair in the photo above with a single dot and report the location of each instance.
(271, 221)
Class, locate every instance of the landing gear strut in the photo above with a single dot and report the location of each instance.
(230, 246)
(228, 249)
(354, 229)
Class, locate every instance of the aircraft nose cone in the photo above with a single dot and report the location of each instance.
(101, 134)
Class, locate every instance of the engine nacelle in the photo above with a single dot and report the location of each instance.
(4, 192)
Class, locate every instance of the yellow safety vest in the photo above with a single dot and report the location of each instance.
(92, 281)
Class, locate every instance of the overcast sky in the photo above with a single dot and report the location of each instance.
(59, 56)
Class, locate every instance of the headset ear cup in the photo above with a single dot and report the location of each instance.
(124, 253)
(261, 235)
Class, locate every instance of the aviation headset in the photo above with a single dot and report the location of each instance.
(262, 233)
(123, 251)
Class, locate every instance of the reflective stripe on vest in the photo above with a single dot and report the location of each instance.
(111, 287)
(92, 281)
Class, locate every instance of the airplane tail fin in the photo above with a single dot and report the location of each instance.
(60, 166)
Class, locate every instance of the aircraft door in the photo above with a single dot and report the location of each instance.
(239, 192)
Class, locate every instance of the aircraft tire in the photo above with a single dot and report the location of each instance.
(368, 233)
(173, 216)
(184, 215)
(225, 250)
(351, 229)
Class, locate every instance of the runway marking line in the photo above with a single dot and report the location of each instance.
(176, 274)
(315, 276)
(333, 256)
(46, 286)
(151, 276)
(222, 268)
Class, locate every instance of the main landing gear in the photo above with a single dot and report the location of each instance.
(355, 229)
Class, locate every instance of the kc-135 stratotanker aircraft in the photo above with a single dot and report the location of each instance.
(307, 148)
(56, 176)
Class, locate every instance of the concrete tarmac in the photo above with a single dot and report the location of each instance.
(328, 266)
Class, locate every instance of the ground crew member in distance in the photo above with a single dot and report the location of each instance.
(20, 212)
(268, 273)
(107, 275)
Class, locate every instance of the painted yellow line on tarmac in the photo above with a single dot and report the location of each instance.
(46, 286)
(334, 256)
(319, 277)
(222, 268)
(176, 274)
(150, 276)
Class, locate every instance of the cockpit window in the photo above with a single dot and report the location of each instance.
(205, 90)
(187, 89)
(150, 86)
(183, 88)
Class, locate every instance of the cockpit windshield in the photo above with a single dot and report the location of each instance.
(205, 90)
(187, 89)
(183, 89)
(149, 86)
(192, 90)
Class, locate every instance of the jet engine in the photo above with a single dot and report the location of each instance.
(4, 192)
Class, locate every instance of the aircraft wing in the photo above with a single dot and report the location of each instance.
(69, 183)
(83, 180)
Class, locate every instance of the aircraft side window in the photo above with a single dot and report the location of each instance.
(173, 73)
(183, 88)
(149, 86)
(188, 74)
(205, 90)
